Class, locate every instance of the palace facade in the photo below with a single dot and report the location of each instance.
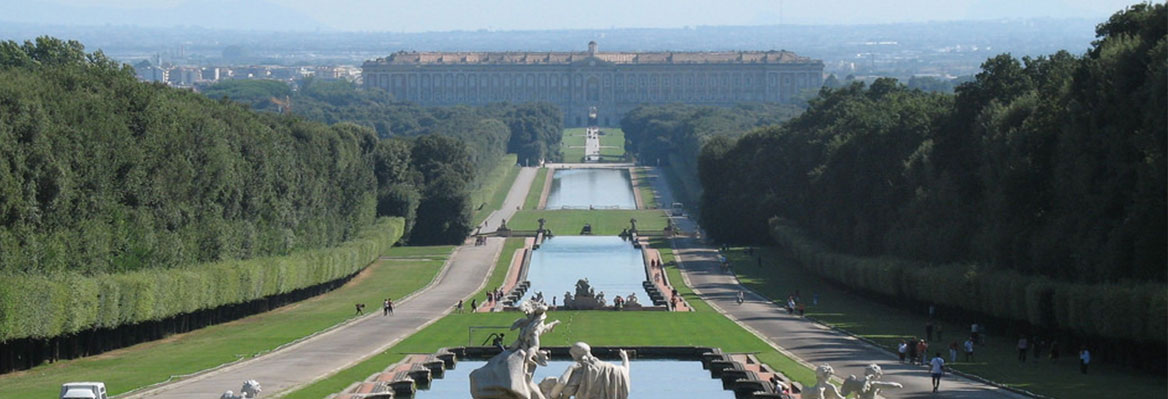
(612, 82)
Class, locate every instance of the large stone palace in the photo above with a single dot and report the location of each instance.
(611, 83)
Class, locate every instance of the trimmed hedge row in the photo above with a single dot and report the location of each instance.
(45, 306)
(1121, 311)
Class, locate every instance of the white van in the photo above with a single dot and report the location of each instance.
(83, 390)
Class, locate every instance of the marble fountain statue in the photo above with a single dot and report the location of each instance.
(508, 375)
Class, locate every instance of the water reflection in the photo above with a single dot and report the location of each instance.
(591, 188)
(611, 265)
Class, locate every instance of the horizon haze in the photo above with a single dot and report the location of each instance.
(502, 15)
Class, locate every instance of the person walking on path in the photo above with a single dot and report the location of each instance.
(385, 307)
(1023, 348)
(741, 297)
(922, 351)
(1084, 359)
(389, 306)
(953, 352)
(937, 368)
(458, 307)
(902, 350)
(969, 349)
(474, 305)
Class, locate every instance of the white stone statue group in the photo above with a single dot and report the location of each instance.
(508, 375)
(250, 389)
(866, 388)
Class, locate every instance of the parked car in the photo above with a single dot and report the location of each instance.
(83, 390)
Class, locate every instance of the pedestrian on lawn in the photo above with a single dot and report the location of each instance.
(969, 349)
(1023, 348)
(1084, 359)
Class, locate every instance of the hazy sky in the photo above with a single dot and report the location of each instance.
(442, 15)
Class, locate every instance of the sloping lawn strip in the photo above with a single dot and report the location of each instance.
(501, 266)
(645, 187)
(492, 191)
(536, 191)
(149, 363)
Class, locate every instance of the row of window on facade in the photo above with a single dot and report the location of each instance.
(655, 94)
(734, 79)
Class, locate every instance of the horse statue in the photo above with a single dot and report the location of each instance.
(250, 389)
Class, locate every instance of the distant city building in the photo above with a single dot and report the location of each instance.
(613, 82)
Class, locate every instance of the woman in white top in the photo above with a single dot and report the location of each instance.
(937, 368)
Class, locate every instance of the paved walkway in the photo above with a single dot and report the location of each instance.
(463, 276)
(807, 341)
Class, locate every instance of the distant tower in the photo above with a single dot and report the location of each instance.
(592, 47)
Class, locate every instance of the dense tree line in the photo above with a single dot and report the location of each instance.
(1052, 166)
(126, 207)
(532, 130)
(433, 191)
(1035, 193)
(101, 173)
(672, 135)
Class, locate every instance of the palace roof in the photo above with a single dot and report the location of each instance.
(565, 58)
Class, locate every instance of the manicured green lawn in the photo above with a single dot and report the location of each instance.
(573, 137)
(572, 145)
(612, 145)
(645, 187)
(997, 360)
(493, 189)
(405, 270)
(536, 191)
(702, 327)
(604, 222)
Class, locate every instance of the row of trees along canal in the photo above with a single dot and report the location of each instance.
(130, 211)
(1035, 194)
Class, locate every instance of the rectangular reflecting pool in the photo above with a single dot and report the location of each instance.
(648, 379)
(591, 188)
(610, 264)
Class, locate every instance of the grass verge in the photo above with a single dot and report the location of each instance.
(536, 191)
(492, 191)
(645, 187)
(502, 265)
(886, 325)
(604, 222)
(405, 270)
